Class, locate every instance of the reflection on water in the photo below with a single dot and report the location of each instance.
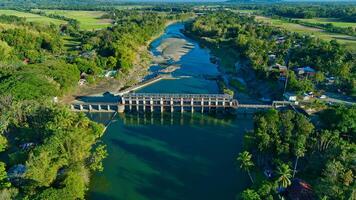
(170, 156)
(167, 118)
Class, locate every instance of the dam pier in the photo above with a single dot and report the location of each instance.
(161, 102)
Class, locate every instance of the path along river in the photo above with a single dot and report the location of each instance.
(173, 156)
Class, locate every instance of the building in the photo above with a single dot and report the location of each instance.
(305, 71)
(290, 96)
(281, 69)
(272, 57)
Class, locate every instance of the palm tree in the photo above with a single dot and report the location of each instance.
(245, 159)
(284, 173)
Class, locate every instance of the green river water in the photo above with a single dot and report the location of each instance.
(173, 156)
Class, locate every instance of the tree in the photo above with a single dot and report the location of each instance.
(284, 174)
(250, 194)
(303, 128)
(95, 161)
(111, 62)
(245, 159)
(5, 50)
(319, 77)
(3, 177)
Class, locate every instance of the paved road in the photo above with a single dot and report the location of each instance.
(338, 98)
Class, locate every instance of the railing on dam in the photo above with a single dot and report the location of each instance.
(172, 102)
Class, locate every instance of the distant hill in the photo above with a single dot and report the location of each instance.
(52, 3)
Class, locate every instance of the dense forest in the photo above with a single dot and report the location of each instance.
(33, 61)
(48, 152)
(286, 149)
(256, 41)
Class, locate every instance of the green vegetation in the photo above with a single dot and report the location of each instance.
(348, 41)
(120, 46)
(32, 17)
(255, 41)
(334, 21)
(47, 151)
(88, 20)
(285, 147)
(237, 85)
(344, 12)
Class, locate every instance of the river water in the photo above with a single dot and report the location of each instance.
(173, 156)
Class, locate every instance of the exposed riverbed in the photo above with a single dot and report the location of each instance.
(173, 156)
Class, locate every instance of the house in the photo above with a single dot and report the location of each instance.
(83, 75)
(305, 71)
(281, 69)
(272, 57)
(290, 96)
(330, 80)
(280, 40)
(110, 73)
(82, 82)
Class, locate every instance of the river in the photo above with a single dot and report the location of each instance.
(173, 156)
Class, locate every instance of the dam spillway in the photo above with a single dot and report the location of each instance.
(162, 102)
(150, 102)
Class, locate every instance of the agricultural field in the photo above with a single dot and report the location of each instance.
(89, 20)
(333, 21)
(32, 17)
(348, 41)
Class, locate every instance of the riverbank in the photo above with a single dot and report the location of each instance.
(237, 74)
(135, 75)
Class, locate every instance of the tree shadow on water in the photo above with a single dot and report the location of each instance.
(169, 183)
(101, 196)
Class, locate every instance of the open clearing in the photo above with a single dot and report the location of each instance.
(32, 17)
(348, 41)
(333, 21)
(89, 20)
(246, 11)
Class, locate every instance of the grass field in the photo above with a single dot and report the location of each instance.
(32, 17)
(246, 11)
(348, 41)
(127, 7)
(89, 20)
(332, 21)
